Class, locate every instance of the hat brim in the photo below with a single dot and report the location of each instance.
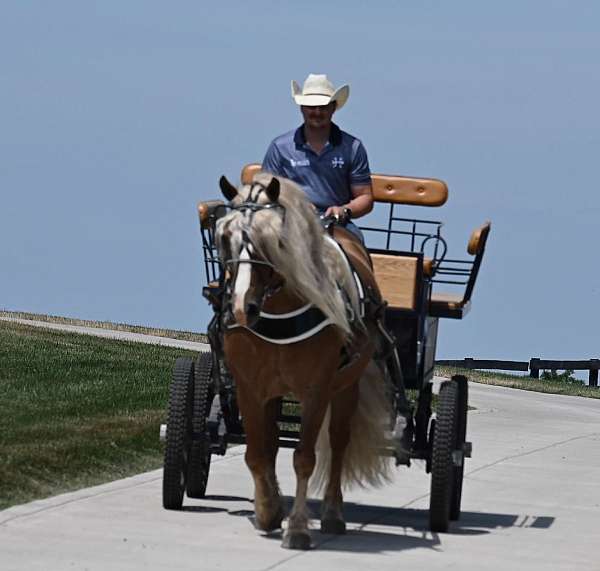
(340, 96)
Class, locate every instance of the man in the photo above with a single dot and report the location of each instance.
(329, 164)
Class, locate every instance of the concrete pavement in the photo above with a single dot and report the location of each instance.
(531, 501)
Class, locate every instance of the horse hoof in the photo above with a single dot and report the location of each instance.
(296, 540)
(334, 526)
(271, 524)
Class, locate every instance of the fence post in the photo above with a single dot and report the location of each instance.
(534, 369)
(593, 382)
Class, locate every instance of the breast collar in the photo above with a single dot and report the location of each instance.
(288, 328)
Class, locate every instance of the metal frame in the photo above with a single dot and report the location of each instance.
(417, 359)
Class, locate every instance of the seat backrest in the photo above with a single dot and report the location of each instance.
(206, 209)
(249, 171)
(476, 247)
(409, 190)
(390, 189)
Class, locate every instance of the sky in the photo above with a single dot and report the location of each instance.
(116, 118)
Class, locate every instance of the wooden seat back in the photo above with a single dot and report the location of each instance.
(390, 189)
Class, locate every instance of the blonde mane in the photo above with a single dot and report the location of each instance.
(293, 240)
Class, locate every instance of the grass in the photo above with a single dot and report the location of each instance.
(77, 410)
(171, 333)
(551, 386)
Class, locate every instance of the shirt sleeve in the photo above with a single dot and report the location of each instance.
(272, 162)
(360, 172)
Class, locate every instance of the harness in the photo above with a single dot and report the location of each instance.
(288, 328)
(307, 321)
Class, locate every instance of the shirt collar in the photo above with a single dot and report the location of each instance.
(335, 136)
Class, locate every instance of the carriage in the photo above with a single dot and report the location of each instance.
(411, 266)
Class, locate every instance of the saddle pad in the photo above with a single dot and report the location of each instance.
(359, 259)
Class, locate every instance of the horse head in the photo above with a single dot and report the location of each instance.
(250, 277)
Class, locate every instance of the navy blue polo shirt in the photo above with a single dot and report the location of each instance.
(326, 177)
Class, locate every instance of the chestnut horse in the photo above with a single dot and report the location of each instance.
(292, 324)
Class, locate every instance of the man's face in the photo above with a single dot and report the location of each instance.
(318, 117)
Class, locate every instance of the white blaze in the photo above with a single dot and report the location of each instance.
(242, 285)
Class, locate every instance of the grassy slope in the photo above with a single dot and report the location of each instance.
(77, 410)
(171, 333)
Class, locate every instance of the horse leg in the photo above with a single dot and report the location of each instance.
(343, 406)
(260, 460)
(313, 412)
(272, 409)
(272, 430)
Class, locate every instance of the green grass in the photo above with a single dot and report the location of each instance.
(171, 333)
(77, 410)
(557, 386)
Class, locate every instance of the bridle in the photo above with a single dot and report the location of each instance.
(252, 206)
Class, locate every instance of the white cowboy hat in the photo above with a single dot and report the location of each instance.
(318, 90)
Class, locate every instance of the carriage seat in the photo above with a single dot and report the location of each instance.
(400, 279)
(456, 306)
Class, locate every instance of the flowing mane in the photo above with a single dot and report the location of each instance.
(293, 240)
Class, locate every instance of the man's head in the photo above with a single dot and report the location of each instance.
(318, 116)
(318, 91)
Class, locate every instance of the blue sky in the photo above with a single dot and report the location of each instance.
(117, 117)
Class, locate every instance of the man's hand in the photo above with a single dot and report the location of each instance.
(336, 212)
(361, 203)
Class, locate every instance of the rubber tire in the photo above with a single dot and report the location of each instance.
(179, 433)
(442, 468)
(199, 458)
(461, 437)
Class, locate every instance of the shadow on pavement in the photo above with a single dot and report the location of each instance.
(386, 528)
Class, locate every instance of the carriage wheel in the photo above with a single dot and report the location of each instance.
(199, 459)
(178, 433)
(461, 436)
(442, 466)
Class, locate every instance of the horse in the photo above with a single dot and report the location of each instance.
(282, 269)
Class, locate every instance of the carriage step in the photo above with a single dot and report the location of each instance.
(458, 456)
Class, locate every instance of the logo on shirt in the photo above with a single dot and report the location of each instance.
(337, 162)
(300, 163)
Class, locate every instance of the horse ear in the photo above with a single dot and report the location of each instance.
(273, 189)
(229, 191)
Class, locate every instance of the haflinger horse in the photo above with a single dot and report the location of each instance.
(293, 325)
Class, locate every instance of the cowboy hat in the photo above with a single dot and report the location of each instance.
(318, 90)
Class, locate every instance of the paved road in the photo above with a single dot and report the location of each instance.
(531, 501)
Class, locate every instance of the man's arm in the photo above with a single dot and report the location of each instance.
(272, 162)
(360, 204)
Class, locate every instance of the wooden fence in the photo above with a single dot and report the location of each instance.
(534, 366)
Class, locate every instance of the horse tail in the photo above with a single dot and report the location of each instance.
(364, 461)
